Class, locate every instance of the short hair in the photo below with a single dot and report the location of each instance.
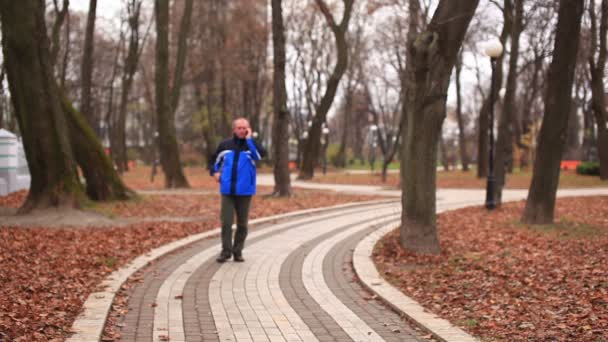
(238, 119)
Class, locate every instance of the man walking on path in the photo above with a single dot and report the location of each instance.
(233, 166)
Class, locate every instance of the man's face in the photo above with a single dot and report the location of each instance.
(240, 128)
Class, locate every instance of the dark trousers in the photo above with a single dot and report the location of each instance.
(230, 205)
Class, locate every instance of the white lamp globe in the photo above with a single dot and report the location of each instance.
(493, 48)
(502, 92)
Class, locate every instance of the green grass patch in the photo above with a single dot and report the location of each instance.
(566, 229)
(109, 262)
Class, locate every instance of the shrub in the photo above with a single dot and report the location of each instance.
(588, 168)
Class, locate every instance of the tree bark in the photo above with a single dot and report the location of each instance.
(54, 181)
(540, 204)
(507, 121)
(86, 70)
(103, 182)
(169, 151)
(280, 129)
(313, 143)
(462, 142)
(430, 59)
(597, 70)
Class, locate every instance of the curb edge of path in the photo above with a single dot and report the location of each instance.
(89, 324)
(365, 269)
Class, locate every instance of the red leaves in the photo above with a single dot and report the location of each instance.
(502, 280)
(47, 273)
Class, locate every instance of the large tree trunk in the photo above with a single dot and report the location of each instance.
(103, 182)
(462, 142)
(507, 121)
(169, 151)
(540, 204)
(430, 59)
(37, 106)
(129, 70)
(280, 129)
(86, 70)
(597, 71)
(313, 143)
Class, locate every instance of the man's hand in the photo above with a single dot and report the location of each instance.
(217, 176)
(249, 133)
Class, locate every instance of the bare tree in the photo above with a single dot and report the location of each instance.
(169, 152)
(597, 67)
(38, 109)
(462, 143)
(313, 143)
(86, 70)
(540, 204)
(430, 60)
(129, 69)
(508, 121)
(280, 131)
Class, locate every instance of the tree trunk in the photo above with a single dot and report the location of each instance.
(66, 54)
(597, 71)
(391, 155)
(182, 49)
(129, 70)
(431, 59)
(86, 71)
(169, 151)
(540, 204)
(443, 153)
(280, 129)
(462, 142)
(507, 121)
(54, 181)
(313, 143)
(103, 182)
(348, 107)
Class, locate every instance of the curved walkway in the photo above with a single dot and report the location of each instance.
(297, 284)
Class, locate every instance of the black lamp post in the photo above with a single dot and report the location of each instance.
(493, 50)
(372, 146)
(325, 141)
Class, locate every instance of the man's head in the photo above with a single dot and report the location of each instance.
(241, 127)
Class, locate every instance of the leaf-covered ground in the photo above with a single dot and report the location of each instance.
(502, 280)
(459, 179)
(47, 273)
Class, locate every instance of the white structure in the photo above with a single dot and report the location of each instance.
(14, 172)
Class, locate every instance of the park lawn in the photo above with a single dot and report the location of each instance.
(460, 179)
(504, 281)
(46, 274)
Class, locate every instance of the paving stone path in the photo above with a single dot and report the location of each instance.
(297, 283)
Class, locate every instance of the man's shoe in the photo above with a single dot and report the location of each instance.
(238, 258)
(222, 258)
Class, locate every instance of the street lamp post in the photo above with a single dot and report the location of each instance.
(325, 141)
(493, 50)
(372, 146)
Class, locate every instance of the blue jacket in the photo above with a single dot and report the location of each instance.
(235, 159)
